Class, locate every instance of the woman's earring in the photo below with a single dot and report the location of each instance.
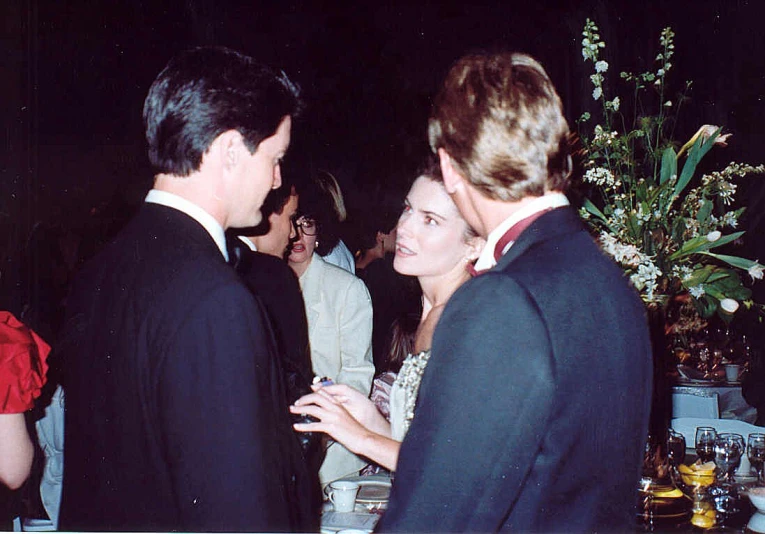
(317, 243)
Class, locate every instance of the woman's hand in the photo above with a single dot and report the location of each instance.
(335, 407)
(333, 419)
(359, 406)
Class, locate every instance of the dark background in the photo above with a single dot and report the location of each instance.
(75, 73)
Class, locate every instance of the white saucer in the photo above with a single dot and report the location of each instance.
(374, 489)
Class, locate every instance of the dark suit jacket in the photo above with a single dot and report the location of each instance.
(278, 289)
(276, 286)
(175, 412)
(533, 410)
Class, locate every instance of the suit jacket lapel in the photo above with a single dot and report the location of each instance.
(554, 224)
(311, 286)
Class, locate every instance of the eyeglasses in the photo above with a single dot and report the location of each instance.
(306, 226)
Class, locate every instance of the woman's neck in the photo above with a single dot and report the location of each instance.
(437, 290)
(301, 267)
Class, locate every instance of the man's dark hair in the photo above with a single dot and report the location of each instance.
(205, 92)
(275, 202)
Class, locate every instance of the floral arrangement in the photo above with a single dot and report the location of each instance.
(661, 222)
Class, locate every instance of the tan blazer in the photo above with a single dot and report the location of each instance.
(339, 313)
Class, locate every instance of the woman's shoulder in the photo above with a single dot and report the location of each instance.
(337, 275)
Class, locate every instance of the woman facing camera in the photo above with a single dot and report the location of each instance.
(435, 244)
(339, 313)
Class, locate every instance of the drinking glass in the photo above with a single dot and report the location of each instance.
(728, 450)
(704, 355)
(755, 451)
(675, 448)
(705, 443)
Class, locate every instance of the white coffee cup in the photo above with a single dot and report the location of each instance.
(343, 493)
(733, 372)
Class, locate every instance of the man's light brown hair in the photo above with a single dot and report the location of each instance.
(501, 121)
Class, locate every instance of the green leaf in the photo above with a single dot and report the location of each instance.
(593, 210)
(715, 276)
(707, 306)
(735, 261)
(668, 165)
(705, 211)
(697, 151)
(698, 276)
(700, 244)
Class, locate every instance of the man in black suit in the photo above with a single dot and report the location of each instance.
(257, 254)
(176, 416)
(533, 410)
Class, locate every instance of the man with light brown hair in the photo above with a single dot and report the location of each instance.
(533, 409)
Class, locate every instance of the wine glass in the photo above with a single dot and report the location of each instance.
(675, 448)
(705, 443)
(728, 450)
(704, 355)
(755, 450)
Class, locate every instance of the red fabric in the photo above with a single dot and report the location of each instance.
(23, 365)
(511, 235)
(514, 232)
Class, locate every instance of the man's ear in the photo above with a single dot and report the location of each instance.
(227, 148)
(452, 179)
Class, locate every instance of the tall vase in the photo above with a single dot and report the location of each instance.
(655, 460)
(660, 504)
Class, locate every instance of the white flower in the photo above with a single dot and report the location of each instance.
(729, 219)
(615, 103)
(714, 236)
(756, 271)
(660, 72)
(685, 272)
(597, 93)
(600, 176)
(696, 291)
(668, 104)
(623, 253)
(601, 66)
(645, 278)
(729, 305)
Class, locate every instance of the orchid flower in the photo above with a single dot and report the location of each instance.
(705, 132)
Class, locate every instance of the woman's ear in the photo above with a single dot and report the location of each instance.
(475, 247)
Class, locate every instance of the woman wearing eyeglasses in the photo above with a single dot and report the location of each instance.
(339, 313)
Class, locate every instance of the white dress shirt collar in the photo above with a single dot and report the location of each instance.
(549, 201)
(248, 242)
(208, 222)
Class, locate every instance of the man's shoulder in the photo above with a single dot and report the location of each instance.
(266, 272)
(266, 263)
(158, 263)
